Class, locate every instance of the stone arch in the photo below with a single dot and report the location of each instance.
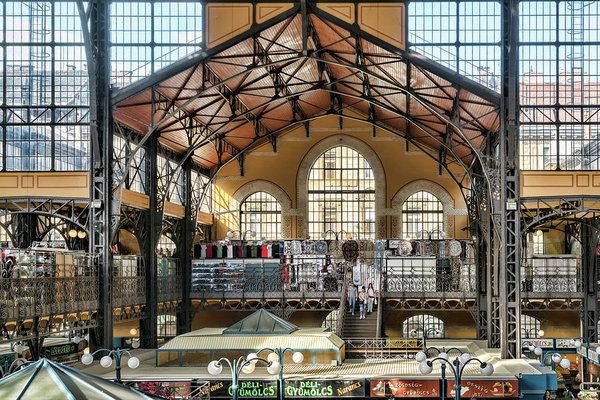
(274, 190)
(376, 166)
(428, 186)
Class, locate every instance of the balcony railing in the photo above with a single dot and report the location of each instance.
(546, 275)
(429, 277)
(129, 281)
(30, 297)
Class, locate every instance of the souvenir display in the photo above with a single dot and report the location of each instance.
(455, 248)
(350, 250)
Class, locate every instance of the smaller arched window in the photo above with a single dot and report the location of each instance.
(261, 213)
(416, 325)
(530, 327)
(422, 216)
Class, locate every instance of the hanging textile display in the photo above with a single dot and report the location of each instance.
(356, 274)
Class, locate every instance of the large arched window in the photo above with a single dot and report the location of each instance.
(341, 194)
(422, 216)
(261, 213)
(416, 325)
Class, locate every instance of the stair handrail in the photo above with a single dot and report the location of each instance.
(342, 307)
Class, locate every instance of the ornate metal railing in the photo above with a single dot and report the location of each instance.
(129, 281)
(169, 279)
(544, 275)
(428, 276)
(31, 297)
(369, 348)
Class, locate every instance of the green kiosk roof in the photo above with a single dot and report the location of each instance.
(261, 322)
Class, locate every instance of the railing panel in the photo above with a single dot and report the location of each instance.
(544, 275)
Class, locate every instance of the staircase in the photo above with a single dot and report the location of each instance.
(355, 328)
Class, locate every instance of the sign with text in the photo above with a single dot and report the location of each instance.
(543, 343)
(405, 388)
(324, 389)
(247, 389)
(486, 389)
(64, 349)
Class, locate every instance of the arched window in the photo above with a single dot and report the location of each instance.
(415, 326)
(422, 216)
(261, 213)
(530, 327)
(341, 194)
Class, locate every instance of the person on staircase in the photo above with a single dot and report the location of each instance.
(362, 300)
(370, 298)
(352, 293)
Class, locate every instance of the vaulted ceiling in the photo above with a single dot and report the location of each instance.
(220, 103)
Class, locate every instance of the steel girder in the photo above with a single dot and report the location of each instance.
(508, 213)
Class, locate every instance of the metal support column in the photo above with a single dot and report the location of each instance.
(148, 326)
(24, 226)
(508, 210)
(95, 29)
(185, 249)
(589, 238)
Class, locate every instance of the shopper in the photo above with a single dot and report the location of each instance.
(370, 298)
(362, 299)
(352, 293)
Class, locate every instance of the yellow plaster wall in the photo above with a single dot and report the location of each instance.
(401, 167)
(559, 183)
(123, 329)
(74, 185)
(558, 324)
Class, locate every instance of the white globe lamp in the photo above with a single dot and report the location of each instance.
(464, 358)
(443, 355)
(538, 351)
(421, 356)
(215, 368)
(274, 368)
(106, 361)
(297, 357)
(133, 362)
(252, 357)
(556, 358)
(565, 363)
(249, 368)
(425, 368)
(87, 359)
(273, 357)
(487, 370)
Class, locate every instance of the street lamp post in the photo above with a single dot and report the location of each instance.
(538, 351)
(426, 332)
(443, 353)
(276, 355)
(106, 361)
(457, 367)
(577, 342)
(238, 365)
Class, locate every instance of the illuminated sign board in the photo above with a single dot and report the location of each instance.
(414, 388)
(486, 389)
(247, 389)
(406, 388)
(324, 389)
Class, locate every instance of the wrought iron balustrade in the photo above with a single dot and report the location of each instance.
(129, 281)
(545, 275)
(429, 276)
(370, 348)
(30, 297)
(169, 279)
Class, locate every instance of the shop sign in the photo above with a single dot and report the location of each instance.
(247, 389)
(324, 389)
(543, 343)
(564, 344)
(590, 354)
(486, 389)
(405, 388)
(64, 349)
(167, 390)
